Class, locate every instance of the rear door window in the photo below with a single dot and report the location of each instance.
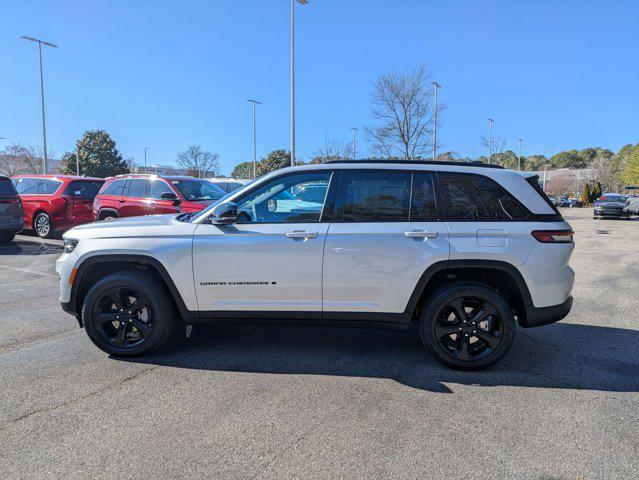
(138, 187)
(117, 187)
(47, 186)
(476, 198)
(83, 188)
(374, 196)
(423, 201)
(26, 186)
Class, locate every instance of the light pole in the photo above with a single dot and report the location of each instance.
(519, 157)
(254, 102)
(145, 149)
(44, 124)
(354, 130)
(77, 159)
(544, 187)
(301, 2)
(490, 139)
(437, 86)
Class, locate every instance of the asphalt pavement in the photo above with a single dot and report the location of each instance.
(275, 402)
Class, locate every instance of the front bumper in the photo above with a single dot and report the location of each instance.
(611, 213)
(537, 316)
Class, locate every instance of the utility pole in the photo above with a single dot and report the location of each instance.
(437, 86)
(254, 102)
(490, 139)
(301, 2)
(44, 123)
(354, 130)
(519, 157)
(145, 149)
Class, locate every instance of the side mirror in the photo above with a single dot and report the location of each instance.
(171, 196)
(224, 214)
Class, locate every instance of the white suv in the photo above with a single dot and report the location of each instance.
(462, 250)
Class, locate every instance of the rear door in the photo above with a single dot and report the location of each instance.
(79, 195)
(386, 230)
(136, 201)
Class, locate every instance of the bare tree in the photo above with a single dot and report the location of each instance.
(498, 144)
(562, 183)
(403, 110)
(332, 149)
(22, 159)
(198, 162)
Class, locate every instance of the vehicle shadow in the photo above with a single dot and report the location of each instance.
(28, 247)
(563, 355)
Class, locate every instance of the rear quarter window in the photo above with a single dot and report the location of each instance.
(476, 198)
(116, 187)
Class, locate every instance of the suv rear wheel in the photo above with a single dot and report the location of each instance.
(128, 314)
(467, 325)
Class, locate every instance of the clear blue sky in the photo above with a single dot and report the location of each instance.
(169, 74)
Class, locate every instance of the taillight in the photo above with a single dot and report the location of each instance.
(10, 200)
(553, 236)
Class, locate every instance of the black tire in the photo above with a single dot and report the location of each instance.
(157, 317)
(6, 237)
(43, 226)
(107, 216)
(494, 333)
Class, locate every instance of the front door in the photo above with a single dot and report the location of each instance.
(271, 259)
(386, 232)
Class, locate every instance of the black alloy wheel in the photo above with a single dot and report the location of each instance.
(469, 328)
(128, 313)
(123, 317)
(467, 325)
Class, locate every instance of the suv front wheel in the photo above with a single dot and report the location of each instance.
(467, 325)
(128, 314)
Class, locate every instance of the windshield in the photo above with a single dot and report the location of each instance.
(611, 199)
(195, 189)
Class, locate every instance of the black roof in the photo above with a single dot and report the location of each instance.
(421, 162)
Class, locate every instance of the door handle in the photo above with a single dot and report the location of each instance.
(121, 200)
(301, 234)
(420, 234)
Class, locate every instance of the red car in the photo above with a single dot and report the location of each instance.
(142, 194)
(56, 202)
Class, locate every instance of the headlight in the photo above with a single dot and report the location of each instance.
(69, 245)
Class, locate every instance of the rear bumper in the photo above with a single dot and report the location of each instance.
(537, 316)
(12, 227)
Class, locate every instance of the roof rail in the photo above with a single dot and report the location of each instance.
(474, 163)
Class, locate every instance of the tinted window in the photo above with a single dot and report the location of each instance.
(311, 193)
(196, 189)
(374, 197)
(117, 187)
(82, 188)
(47, 187)
(275, 202)
(26, 186)
(6, 187)
(158, 187)
(138, 187)
(469, 197)
(423, 205)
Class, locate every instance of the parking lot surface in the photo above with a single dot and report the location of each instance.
(273, 402)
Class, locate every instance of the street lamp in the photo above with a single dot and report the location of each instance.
(254, 102)
(490, 138)
(77, 158)
(437, 86)
(145, 149)
(44, 126)
(354, 130)
(301, 2)
(519, 158)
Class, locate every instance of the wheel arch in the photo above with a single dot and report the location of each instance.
(97, 266)
(107, 210)
(500, 275)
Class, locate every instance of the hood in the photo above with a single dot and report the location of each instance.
(146, 226)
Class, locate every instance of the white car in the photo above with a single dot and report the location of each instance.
(228, 184)
(463, 251)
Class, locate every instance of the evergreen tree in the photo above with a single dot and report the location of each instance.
(585, 196)
(98, 156)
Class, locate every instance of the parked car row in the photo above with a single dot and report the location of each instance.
(48, 204)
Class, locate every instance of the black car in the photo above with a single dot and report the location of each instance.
(11, 214)
(570, 202)
(611, 205)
